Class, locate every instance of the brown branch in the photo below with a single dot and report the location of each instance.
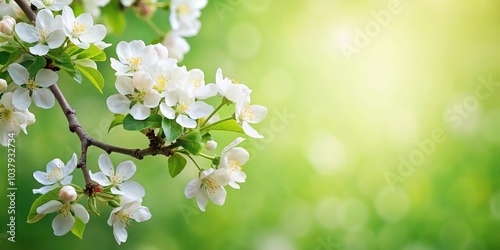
(85, 139)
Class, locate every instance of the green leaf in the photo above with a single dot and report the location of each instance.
(38, 64)
(78, 228)
(229, 125)
(171, 129)
(191, 142)
(93, 75)
(117, 121)
(153, 121)
(176, 164)
(10, 56)
(63, 61)
(114, 18)
(94, 53)
(73, 50)
(33, 216)
(207, 137)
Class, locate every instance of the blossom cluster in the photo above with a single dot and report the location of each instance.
(116, 188)
(30, 83)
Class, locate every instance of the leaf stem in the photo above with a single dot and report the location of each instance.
(223, 102)
(157, 30)
(206, 156)
(217, 122)
(196, 164)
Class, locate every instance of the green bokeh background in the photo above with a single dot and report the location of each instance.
(337, 127)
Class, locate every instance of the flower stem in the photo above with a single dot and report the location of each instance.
(206, 156)
(223, 102)
(196, 164)
(157, 30)
(217, 122)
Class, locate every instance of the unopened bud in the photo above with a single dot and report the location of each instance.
(7, 25)
(3, 85)
(161, 50)
(67, 194)
(211, 145)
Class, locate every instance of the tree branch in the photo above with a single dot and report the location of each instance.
(85, 139)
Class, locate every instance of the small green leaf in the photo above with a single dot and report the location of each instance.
(78, 228)
(191, 142)
(10, 56)
(63, 61)
(94, 53)
(33, 216)
(229, 125)
(114, 18)
(153, 121)
(38, 64)
(171, 129)
(206, 137)
(176, 164)
(117, 121)
(93, 75)
(73, 50)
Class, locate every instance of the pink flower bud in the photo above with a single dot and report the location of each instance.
(7, 25)
(67, 194)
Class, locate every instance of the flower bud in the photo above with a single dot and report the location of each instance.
(67, 194)
(3, 85)
(211, 145)
(7, 25)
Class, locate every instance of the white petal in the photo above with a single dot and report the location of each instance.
(39, 49)
(27, 32)
(192, 188)
(67, 180)
(62, 224)
(132, 189)
(119, 232)
(45, 189)
(141, 214)
(42, 178)
(124, 85)
(21, 98)
(43, 98)
(199, 109)
(106, 165)
(118, 104)
(81, 212)
(125, 170)
(18, 73)
(239, 154)
(250, 131)
(100, 178)
(185, 121)
(140, 112)
(259, 113)
(167, 111)
(56, 39)
(142, 81)
(152, 99)
(119, 67)
(219, 197)
(95, 34)
(201, 200)
(49, 207)
(232, 144)
(234, 185)
(70, 166)
(220, 177)
(206, 91)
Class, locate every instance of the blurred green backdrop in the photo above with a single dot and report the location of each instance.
(354, 89)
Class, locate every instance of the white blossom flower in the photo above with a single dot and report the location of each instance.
(246, 113)
(3, 85)
(185, 108)
(93, 6)
(234, 92)
(184, 16)
(57, 174)
(138, 89)
(167, 76)
(64, 220)
(133, 56)
(12, 120)
(34, 87)
(119, 180)
(232, 159)
(54, 5)
(81, 30)
(121, 217)
(196, 81)
(47, 32)
(7, 25)
(209, 186)
(176, 45)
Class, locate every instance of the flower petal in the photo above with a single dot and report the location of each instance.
(124, 85)
(140, 112)
(152, 99)
(167, 111)
(132, 189)
(18, 73)
(192, 188)
(125, 170)
(39, 49)
(100, 178)
(185, 121)
(232, 144)
(42, 178)
(21, 98)
(62, 224)
(219, 197)
(118, 104)
(141, 214)
(119, 232)
(49, 207)
(27, 32)
(45, 189)
(250, 131)
(201, 200)
(199, 109)
(81, 212)
(43, 98)
(46, 77)
(106, 165)
(70, 166)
